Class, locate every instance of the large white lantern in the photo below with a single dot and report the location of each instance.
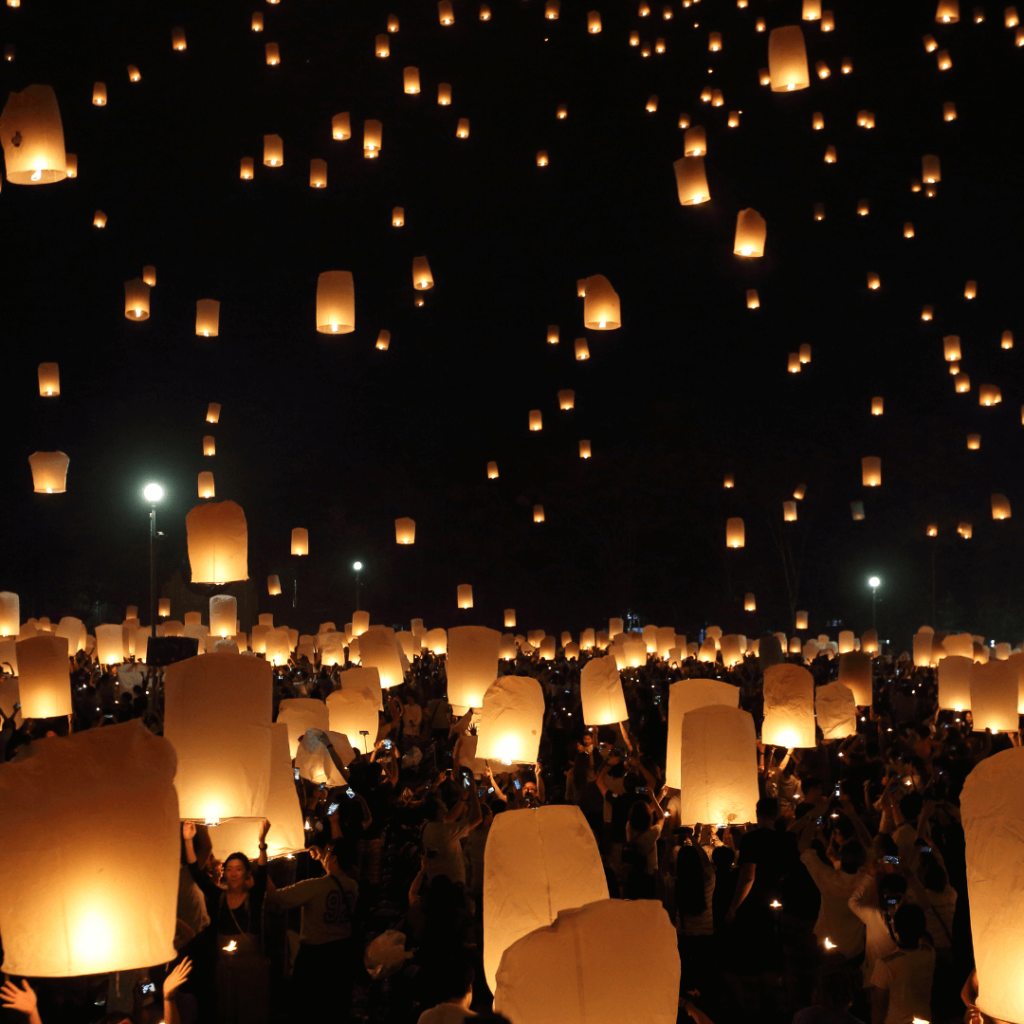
(511, 720)
(44, 680)
(472, 664)
(301, 714)
(994, 696)
(111, 790)
(836, 711)
(218, 542)
(788, 706)
(223, 615)
(683, 697)
(601, 693)
(955, 673)
(354, 709)
(379, 649)
(536, 864)
(855, 672)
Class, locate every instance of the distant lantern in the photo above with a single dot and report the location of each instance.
(405, 531)
(99, 219)
(789, 511)
(393, 23)
(317, 173)
(764, 76)
(341, 126)
(830, 154)
(691, 181)
(927, 312)
(788, 706)
(510, 619)
(871, 471)
(908, 229)
(136, 299)
(218, 541)
(1010, 19)
(971, 290)
(566, 400)
(485, 12)
(207, 318)
(373, 133)
(801, 620)
(947, 12)
(787, 59)
(594, 22)
(472, 661)
(930, 45)
(949, 111)
(382, 45)
(965, 530)
(274, 585)
(819, 211)
(601, 311)
(714, 41)
(213, 412)
(805, 353)
(70, 162)
(989, 395)
(799, 491)
(749, 603)
(817, 121)
(164, 607)
(445, 14)
(811, 10)
(877, 406)
(246, 168)
(652, 104)
(585, 451)
(444, 94)
(398, 217)
(464, 595)
(422, 279)
(835, 711)
(99, 94)
(874, 281)
(109, 644)
(149, 275)
(335, 302)
(963, 383)
(753, 301)
(1006, 342)
(846, 68)
(462, 129)
(729, 482)
(383, 340)
(734, 119)
(411, 81)
(822, 69)
(931, 169)
(511, 720)
(178, 39)
(828, 21)
(134, 75)
(863, 208)
(492, 471)
(273, 151)
(272, 53)
(223, 615)
(759, 25)
(751, 231)
(973, 442)
(552, 9)
(49, 472)
(536, 420)
(542, 158)
(561, 112)
(257, 22)
(951, 348)
(552, 334)
(206, 488)
(582, 351)
(793, 366)
(706, 94)
(1000, 510)
(735, 533)
(932, 531)
(300, 541)
(538, 513)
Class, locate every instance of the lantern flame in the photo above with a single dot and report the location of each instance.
(37, 175)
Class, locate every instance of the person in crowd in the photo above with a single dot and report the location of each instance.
(902, 980)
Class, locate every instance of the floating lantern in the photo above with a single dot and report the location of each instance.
(973, 442)
(444, 94)
(764, 76)
(318, 173)
(354, 708)
(109, 644)
(44, 683)
(422, 279)
(817, 121)
(971, 290)
(566, 400)
(794, 362)
(206, 489)
(932, 531)
(207, 318)
(49, 472)
(822, 69)
(811, 10)
(274, 585)
(788, 706)
(472, 663)
(949, 111)
(830, 155)
(753, 301)
(652, 104)
(300, 541)
(164, 607)
(223, 615)
(552, 9)
(273, 53)
(1010, 19)
(1000, 510)
(398, 217)
(828, 21)
(855, 674)
(714, 41)
(213, 412)
(836, 711)
(511, 720)
(789, 511)
(257, 22)
(601, 310)
(552, 334)
(444, 12)
(218, 541)
(585, 451)
(462, 130)
(877, 406)
(819, 211)
(951, 347)
(537, 863)
(734, 119)
(99, 219)
(989, 395)
(691, 181)
(99, 94)
(341, 126)
(593, 22)
(70, 163)
(382, 45)
(706, 94)
(136, 299)
(379, 649)
(335, 302)
(465, 595)
(178, 40)
(947, 12)
(801, 620)
(908, 229)
(273, 151)
(735, 534)
(405, 531)
(862, 208)
(751, 231)
(536, 420)
(871, 471)
(561, 112)
(383, 340)
(994, 695)
(373, 132)
(874, 282)
(805, 353)
(1006, 342)
(492, 471)
(246, 168)
(931, 169)
(411, 81)
(963, 383)
(485, 12)
(582, 351)
(965, 530)
(209, 445)
(538, 513)
(542, 158)
(134, 75)
(787, 59)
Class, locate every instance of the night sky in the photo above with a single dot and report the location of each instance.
(335, 436)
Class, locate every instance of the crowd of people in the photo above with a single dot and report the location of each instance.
(845, 901)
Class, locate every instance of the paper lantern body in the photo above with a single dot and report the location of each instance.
(836, 711)
(751, 232)
(601, 693)
(273, 151)
(379, 649)
(787, 59)
(510, 618)
(411, 80)
(213, 412)
(217, 712)
(511, 720)
(341, 126)
(44, 681)
(39, 157)
(405, 531)
(223, 614)
(209, 445)
(218, 542)
(855, 674)
(601, 308)
(207, 318)
(992, 806)
(422, 278)
(360, 623)
(332, 651)
(73, 630)
(206, 485)
(530, 979)
(465, 595)
(436, 641)
(472, 664)
(49, 472)
(96, 920)
(683, 697)
(277, 646)
(109, 645)
(994, 692)
(10, 614)
(735, 533)
(300, 714)
(871, 471)
(788, 707)
(315, 763)
(536, 864)
(492, 471)
(955, 673)
(335, 302)
(49, 380)
(691, 180)
(300, 541)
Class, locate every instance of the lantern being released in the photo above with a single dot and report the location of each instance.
(223, 615)
(994, 695)
(686, 696)
(691, 181)
(993, 816)
(354, 709)
(422, 279)
(472, 663)
(301, 714)
(751, 232)
(335, 302)
(44, 682)
(788, 707)
(601, 305)
(96, 921)
(855, 674)
(735, 533)
(836, 711)
(537, 862)
(273, 151)
(601, 693)
(32, 117)
(49, 472)
(300, 541)
(787, 59)
(465, 595)
(218, 540)
(511, 720)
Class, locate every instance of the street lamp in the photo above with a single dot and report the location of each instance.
(357, 567)
(874, 583)
(153, 493)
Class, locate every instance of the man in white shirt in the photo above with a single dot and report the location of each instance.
(442, 837)
(903, 980)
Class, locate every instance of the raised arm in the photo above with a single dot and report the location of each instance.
(21, 999)
(172, 983)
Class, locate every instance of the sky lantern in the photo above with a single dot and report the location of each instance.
(836, 711)
(538, 513)
(99, 94)
(585, 450)
(49, 380)
(735, 533)
(207, 318)
(874, 281)
(354, 708)
(991, 804)
(223, 615)
(257, 22)
(462, 129)
(855, 673)
(965, 530)
(566, 400)
(691, 181)
(828, 21)
(542, 158)
(411, 81)
(178, 39)
(1000, 509)
(272, 54)
(971, 290)
(398, 217)
(71, 163)
(552, 334)
(955, 671)
(99, 219)
(213, 412)
(973, 442)
(134, 75)
(44, 682)
(989, 395)
(788, 706)
(1010, 18)
(877, 406)
(951, 348)
(246, 170)
(931, 169)
(536, 420)
(464, 595)
(209, 445)
(422, 279)
(511, 720)
(220, 702)
(472, 663)
(300, 714)
(96, 921)
(109, 644)
(537, 863)
(405, 531)
(360, 622)
(1006, 341)
(801, 620)
(734, 119)
(871, 471)
(510, 618)
(49, 472)
(206, 486)
(383, 341)
(39, 157)
(994, 695)
(335, 302)
(218, 541)
(822, 69)
(793, 364)
(341, 127)
(601, 693)
(382, 45)
(751, 231)
(300, 541)
(749, 603)
(444, 94)
(485, 12)
(787, 59)
(962, 383)
(908, 229)
(445, 14)
(789, 511)
(492, 471)
(601, 305)
(164, 607)
(947, 12)
(581, 350)
(594, 22)
(317, 173)
(274, 585)
(652, 105)
(830, 154)
(811, 10)
(273, 151)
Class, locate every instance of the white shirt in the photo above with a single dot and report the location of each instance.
(836, 920)
(878, 942)
(445, 1013)
(907, 974)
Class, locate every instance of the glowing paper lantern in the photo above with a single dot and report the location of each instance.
(95, 921)
(931, 169)
(836, 711)
(444, 12)
(787, 59)
(49, 472)
(300, 541)
(871, 471)
(1000, 508)
(273, 151)
(405, 531)
(43, 678)
(994, 693)
(71, 163)
(465, 595)
(855, 674)
(685, 696)
(379, 649)
(164, 607)
(601, 305)
(206, 488)
(246, 169)
(257, 22)
(49, 380)
(422, 279)
(749, 603)
(218, 541)
(691, 181)
(585, 450)
(511, 720)
(538, 513)
(877, 406)
(217, 713)
(178, 39)
(462, 129)
(789, 511)
(38, 157)
(788, 707)
(492, 471)
(971, 290)
(989, 395)
(398, 217)
(223, 615)
(947, 12)
(300, 714)
(382, 45)
(318, 174)
(341, 126)
(581, 350)
(830, 154)
(335, 302)
(472, 663)
(1006, 342)
(955, 672)
(735, 533)
(136, 299)
(354, 709)
(601, 693)
(536, 864)
(536, 420)
(751, 232)
(753, 300)
(594, 22)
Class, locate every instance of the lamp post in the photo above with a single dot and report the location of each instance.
(153, 493)
(357, 568)
(874, 583)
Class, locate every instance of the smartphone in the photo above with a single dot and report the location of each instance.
(642, 789)
(821, 820)
(323, 785)
(148, 988)
(890, 859)
(331, 810)
(837, 790)
(387, 744)
(297, 776)
(518, 784)
(481, 793)
(926, 849)
(350, 793)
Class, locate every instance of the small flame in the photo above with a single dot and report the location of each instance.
(775, 905)
(231, 947)
(829, 944)
(37, 175)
